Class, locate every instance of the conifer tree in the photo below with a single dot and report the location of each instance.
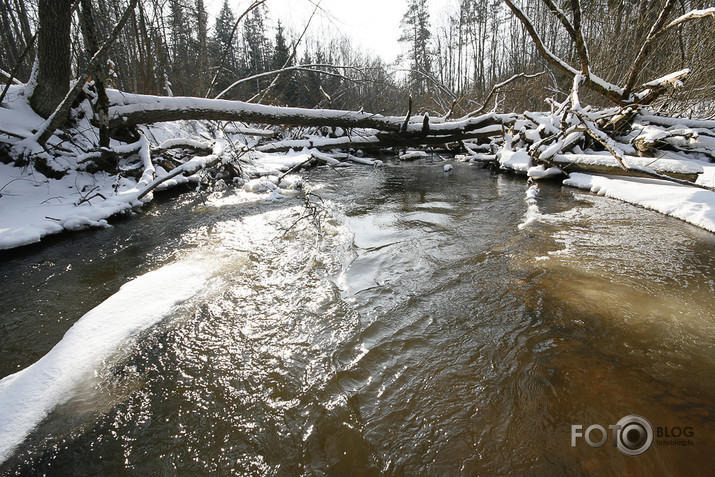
(416, 35)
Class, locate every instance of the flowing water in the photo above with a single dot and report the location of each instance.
(408, 322)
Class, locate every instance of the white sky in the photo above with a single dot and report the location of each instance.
(374, 25)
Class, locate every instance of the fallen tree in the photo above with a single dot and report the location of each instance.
(129, 110)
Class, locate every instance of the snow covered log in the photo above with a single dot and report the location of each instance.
(133, 109)
(381, 140)
(604, 163)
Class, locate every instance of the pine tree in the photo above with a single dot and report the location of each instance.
(416, 34)
(180, 47)
(284, 88)
(257, 47)
(223, 43)
(281, 52)
(202, 38)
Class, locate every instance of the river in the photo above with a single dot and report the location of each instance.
(410, 322)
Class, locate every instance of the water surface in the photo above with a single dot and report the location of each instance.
(404, 324)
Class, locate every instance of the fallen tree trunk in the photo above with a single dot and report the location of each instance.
(382, 140)
(135, 109)
(635, 166)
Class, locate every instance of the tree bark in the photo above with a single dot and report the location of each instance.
(61, 112)
(92, 44)
(53, 53)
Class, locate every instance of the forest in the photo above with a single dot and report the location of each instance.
(527, 86)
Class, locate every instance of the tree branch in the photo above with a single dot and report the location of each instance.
(593, 82)
(645, 48)
(574, 30)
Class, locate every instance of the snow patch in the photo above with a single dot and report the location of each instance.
(518, 161)
(695, 206)
(28, 396)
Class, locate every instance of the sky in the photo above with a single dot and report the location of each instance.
(372, 24)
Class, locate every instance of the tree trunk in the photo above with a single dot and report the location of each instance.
(53, 53)
(92, 44)
(133, 109)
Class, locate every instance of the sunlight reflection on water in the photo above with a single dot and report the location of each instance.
(423, 333)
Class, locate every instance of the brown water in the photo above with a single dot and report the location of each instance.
(423, 333)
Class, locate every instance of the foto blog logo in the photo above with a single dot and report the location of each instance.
(632, 435)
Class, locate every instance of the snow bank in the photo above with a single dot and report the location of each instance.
(695, 206)
(33, 206)
(28, 396)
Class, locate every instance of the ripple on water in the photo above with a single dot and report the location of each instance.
(423, 333)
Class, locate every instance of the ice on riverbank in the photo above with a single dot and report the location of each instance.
(29, 396)
(695, 206)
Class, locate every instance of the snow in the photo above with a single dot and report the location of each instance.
(695, 206)
(540, 172)
(519, 161)
(533, 213)
(29, 396)
(33, 206)
(665, 164)
(448, 167)
(411, 155)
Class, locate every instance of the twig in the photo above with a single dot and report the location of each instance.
(497, 87)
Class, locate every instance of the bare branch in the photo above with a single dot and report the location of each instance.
(645, 48)
(593, 82)
(574, 30)
(692, 15)
(498, 86)
(312, 68)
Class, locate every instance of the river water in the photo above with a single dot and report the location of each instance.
(407, 322)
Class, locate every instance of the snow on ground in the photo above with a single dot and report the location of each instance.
(33, 206)
(28, 396)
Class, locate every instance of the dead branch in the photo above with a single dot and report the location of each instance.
(645, 48)
(574, 30)
(497, 87)
(691, 15)
(13, 73)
